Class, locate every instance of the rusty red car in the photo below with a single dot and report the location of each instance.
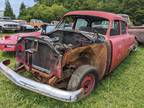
(68, 63)
(8, 42)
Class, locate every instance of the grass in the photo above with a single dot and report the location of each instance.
(124, 88)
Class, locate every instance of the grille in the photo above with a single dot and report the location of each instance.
(45, 57)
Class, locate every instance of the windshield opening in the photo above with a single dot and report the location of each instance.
(84, 23)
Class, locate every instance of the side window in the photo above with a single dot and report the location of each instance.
(123, 27)
(115, 30)
(81, 23)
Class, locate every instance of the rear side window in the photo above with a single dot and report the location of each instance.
(115, 30)
(123, 27)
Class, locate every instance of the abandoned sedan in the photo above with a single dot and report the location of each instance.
(68, 63)
(8, 42)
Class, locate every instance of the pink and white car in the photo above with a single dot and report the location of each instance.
(8, 42)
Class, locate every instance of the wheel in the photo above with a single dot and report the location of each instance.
(85, 77)
(36, 27)
(135, 47)
(1, 30)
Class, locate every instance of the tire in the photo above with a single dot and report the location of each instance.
(36, 27)
(135, 47)
(84, 77)
(1, 30)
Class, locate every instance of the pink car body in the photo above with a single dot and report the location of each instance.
(8, 42)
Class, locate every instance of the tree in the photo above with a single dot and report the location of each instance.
(22, 10)
(135, 9)
(8, 10)
(22, 7)
(53, 9)
(46, 2)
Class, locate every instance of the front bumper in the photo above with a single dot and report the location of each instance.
(44, 89)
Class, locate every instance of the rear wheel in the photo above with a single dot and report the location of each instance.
(1, 30)
(85, 77)
(135, 47)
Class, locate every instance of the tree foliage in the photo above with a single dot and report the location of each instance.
(22, 10)
(8, 10)
(54, 9)
(135, 9)
(44, 12)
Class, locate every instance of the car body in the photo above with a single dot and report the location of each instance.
(5, 18)
(50, 28)
(127, 19)
(22, 22)
(8, 42)
(7, 24)
(36, 23)
(24, 26)
(138, 31)
(70, 61)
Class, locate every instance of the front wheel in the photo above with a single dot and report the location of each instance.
(85, 77)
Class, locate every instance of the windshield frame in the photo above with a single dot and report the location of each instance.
(81, 17)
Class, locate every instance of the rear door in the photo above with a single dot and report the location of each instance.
(118, 42)
(127, 38)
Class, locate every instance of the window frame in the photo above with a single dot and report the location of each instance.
(123, 22)
(119, 28)
(75, 25)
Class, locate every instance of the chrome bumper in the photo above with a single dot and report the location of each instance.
(44, 89)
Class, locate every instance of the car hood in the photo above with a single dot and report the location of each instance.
(12, 39)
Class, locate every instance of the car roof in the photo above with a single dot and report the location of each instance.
(106, 15)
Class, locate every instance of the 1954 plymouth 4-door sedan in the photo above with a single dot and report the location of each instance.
(69, 62)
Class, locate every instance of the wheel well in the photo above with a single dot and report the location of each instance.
(83, 58)
(78, 75)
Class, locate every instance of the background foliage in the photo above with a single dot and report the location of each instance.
(8, 10)
(48, 10)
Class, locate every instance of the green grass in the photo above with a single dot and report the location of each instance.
(124, 88)
(8, 33)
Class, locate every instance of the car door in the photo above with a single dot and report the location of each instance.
(127, 38)
(118, 44)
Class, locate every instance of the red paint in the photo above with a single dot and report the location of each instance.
(20, 47)
(88, 83)
(12, 40)
(58, 71)
(106, 15)
(120, 44)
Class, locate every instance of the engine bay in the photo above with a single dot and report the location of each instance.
(63, 40)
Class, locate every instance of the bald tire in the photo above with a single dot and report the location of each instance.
(78, 76)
